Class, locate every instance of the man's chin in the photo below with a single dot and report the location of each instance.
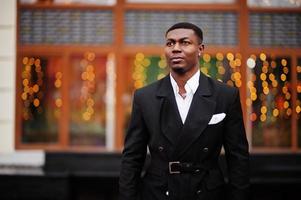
(178, 69)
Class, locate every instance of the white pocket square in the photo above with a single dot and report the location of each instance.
(216, 118)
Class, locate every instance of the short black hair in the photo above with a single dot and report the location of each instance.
(186, 25)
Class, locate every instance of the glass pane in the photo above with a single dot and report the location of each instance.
(143, 70)
(41, 99)
(223, 67)
(147, 69)
(274, 29)
(220, 28)
(269, 100)
(275, 3)
(87, 100)
(65, 26)
(298, 102)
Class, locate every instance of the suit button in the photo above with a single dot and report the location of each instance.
(187, 165)
(199, 191)
(205, 150)
(167, 193)
(160, 148)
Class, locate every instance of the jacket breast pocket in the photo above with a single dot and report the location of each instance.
(219, 124)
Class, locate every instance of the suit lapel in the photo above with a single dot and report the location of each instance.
(200, 112)
(170, 120)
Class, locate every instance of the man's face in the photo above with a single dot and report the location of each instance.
(182, 50)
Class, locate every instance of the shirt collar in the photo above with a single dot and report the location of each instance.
(191, 85)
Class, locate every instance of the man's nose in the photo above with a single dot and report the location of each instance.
(176, 47)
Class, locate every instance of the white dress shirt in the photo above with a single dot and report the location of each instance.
(184, 103)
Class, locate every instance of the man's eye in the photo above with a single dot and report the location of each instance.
(185, 42)
(169, 44)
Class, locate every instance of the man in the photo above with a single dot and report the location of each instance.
(185, 119)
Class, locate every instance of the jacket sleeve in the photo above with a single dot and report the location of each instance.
(236, 151)
(133, 155)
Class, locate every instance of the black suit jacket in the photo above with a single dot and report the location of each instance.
(156, 124)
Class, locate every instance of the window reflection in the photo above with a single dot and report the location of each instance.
(41, 99)
(87, 100)
(269, 100)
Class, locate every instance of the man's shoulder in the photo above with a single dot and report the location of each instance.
(222, 88)
(151, 88)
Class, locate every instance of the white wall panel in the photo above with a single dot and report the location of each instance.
(7, 41)
(7, 104)
(7, 74)
(6, 137)
(8, 12)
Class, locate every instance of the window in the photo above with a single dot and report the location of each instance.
(87, 124)
(79, 64)
(270, 100)
(41, 99)
(64, 103)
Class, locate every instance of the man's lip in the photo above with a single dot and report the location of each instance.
(176, 59)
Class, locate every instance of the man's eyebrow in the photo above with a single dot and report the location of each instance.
(172, 39)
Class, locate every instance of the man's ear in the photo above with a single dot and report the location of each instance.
(201, 49)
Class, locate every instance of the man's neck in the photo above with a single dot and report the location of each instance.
(182, 78)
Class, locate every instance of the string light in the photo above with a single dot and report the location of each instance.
(298, 69)
(288, 111)
(204, 70)
(266, 90)
(229, 82)
(299, 88)
(253, 117)
(160, 76)
(263, 76)
(206, 58)
(285, 70)
(58, 102)
(270, 87)
(263, 109)
(273, 64)
(262, 57)
(219, 56)
(139, 70)
(283, 77)
(265, 69)
(230, 56)
(162, 63)
(283, 62)
(263, 117)
(275, 112)
(248, 102)
(88, 85)
(298, 109)
(32, 81)
(251, 63)
(221, 70)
